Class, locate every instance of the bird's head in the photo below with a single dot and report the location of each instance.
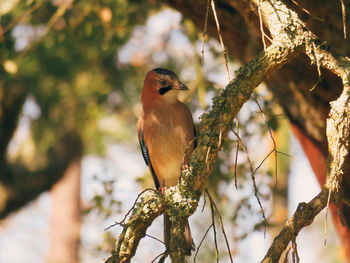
(161, 85)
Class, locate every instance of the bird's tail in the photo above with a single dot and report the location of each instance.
(189, 241)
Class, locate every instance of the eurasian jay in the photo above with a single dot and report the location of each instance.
(166, 134)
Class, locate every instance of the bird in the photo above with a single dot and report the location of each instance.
(166, 135)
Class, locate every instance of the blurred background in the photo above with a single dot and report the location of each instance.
(71, 73)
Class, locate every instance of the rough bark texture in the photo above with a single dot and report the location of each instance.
(148, 209)
(303, 216)
(65, 217)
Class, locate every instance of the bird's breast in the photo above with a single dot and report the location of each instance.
(168, 138)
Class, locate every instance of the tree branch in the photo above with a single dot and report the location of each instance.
(149, 208)
(303, 216)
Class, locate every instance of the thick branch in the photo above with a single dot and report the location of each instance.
(177, 240)
(145, 212)
(338, 135)
(303, 216)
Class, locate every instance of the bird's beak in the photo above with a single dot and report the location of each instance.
(181, 86)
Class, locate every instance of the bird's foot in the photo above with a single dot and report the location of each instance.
(162, 189)
(185, 167)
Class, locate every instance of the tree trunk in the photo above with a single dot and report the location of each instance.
(65, 217)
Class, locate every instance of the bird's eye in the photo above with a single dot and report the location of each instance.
(163, 82)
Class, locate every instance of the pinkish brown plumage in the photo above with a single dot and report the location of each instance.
(166, 133)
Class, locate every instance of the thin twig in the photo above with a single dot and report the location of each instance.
(163, 257)
(315, 85)
(204, 203)
(123, 225)
(343, 12)
(272, 139)
(262, 162)
(236, 155)
(244, 149)
(61, 10)
(318, 67)
(295, 255)
(265, 158)
(207, 156)
(204, 33)
(287, 253)
(261, 27)
(345, 201)
(220, 138)
(317, 60)
(285, 154)
(256, 192)
(200, 243)
(214, 230)
(325, 223)
(221, 224)
(220, 38)
(155, 238)
(306, 11)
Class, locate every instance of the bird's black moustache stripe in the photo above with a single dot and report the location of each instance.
(164, 90)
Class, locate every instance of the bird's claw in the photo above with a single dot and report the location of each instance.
(162, 189)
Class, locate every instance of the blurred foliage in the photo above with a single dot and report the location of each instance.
(104, 204)
(64, 56)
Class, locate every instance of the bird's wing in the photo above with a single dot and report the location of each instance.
(194, 137)
(146, 156)
(187, 113)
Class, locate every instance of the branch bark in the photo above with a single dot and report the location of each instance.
(303, 216)
(143, 214)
